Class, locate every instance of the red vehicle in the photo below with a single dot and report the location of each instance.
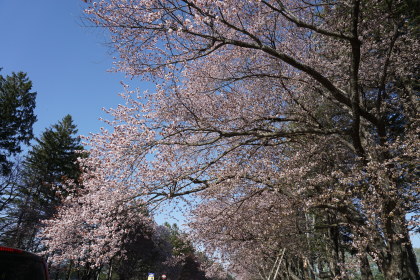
(17, 264)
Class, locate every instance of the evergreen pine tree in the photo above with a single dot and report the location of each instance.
(49, 165)
(52, 161)
(17, 117)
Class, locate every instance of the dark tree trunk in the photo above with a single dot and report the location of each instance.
(110, 270)
(399, 262)
(69, 270)
(365, 271)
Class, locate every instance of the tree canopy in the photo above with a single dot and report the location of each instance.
(292, 126)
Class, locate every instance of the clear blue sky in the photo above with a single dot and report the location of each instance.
(67, 62)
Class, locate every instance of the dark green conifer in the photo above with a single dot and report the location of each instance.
(17, 104)
(47, 169)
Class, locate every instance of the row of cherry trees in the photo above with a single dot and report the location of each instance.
(160, 249)
(290, 125)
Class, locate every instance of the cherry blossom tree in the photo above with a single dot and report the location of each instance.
(263, 110)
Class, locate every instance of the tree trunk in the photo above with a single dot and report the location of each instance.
(399, 262)
(110, 270)
(413, 269)
(365, 271)
(69, 270)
